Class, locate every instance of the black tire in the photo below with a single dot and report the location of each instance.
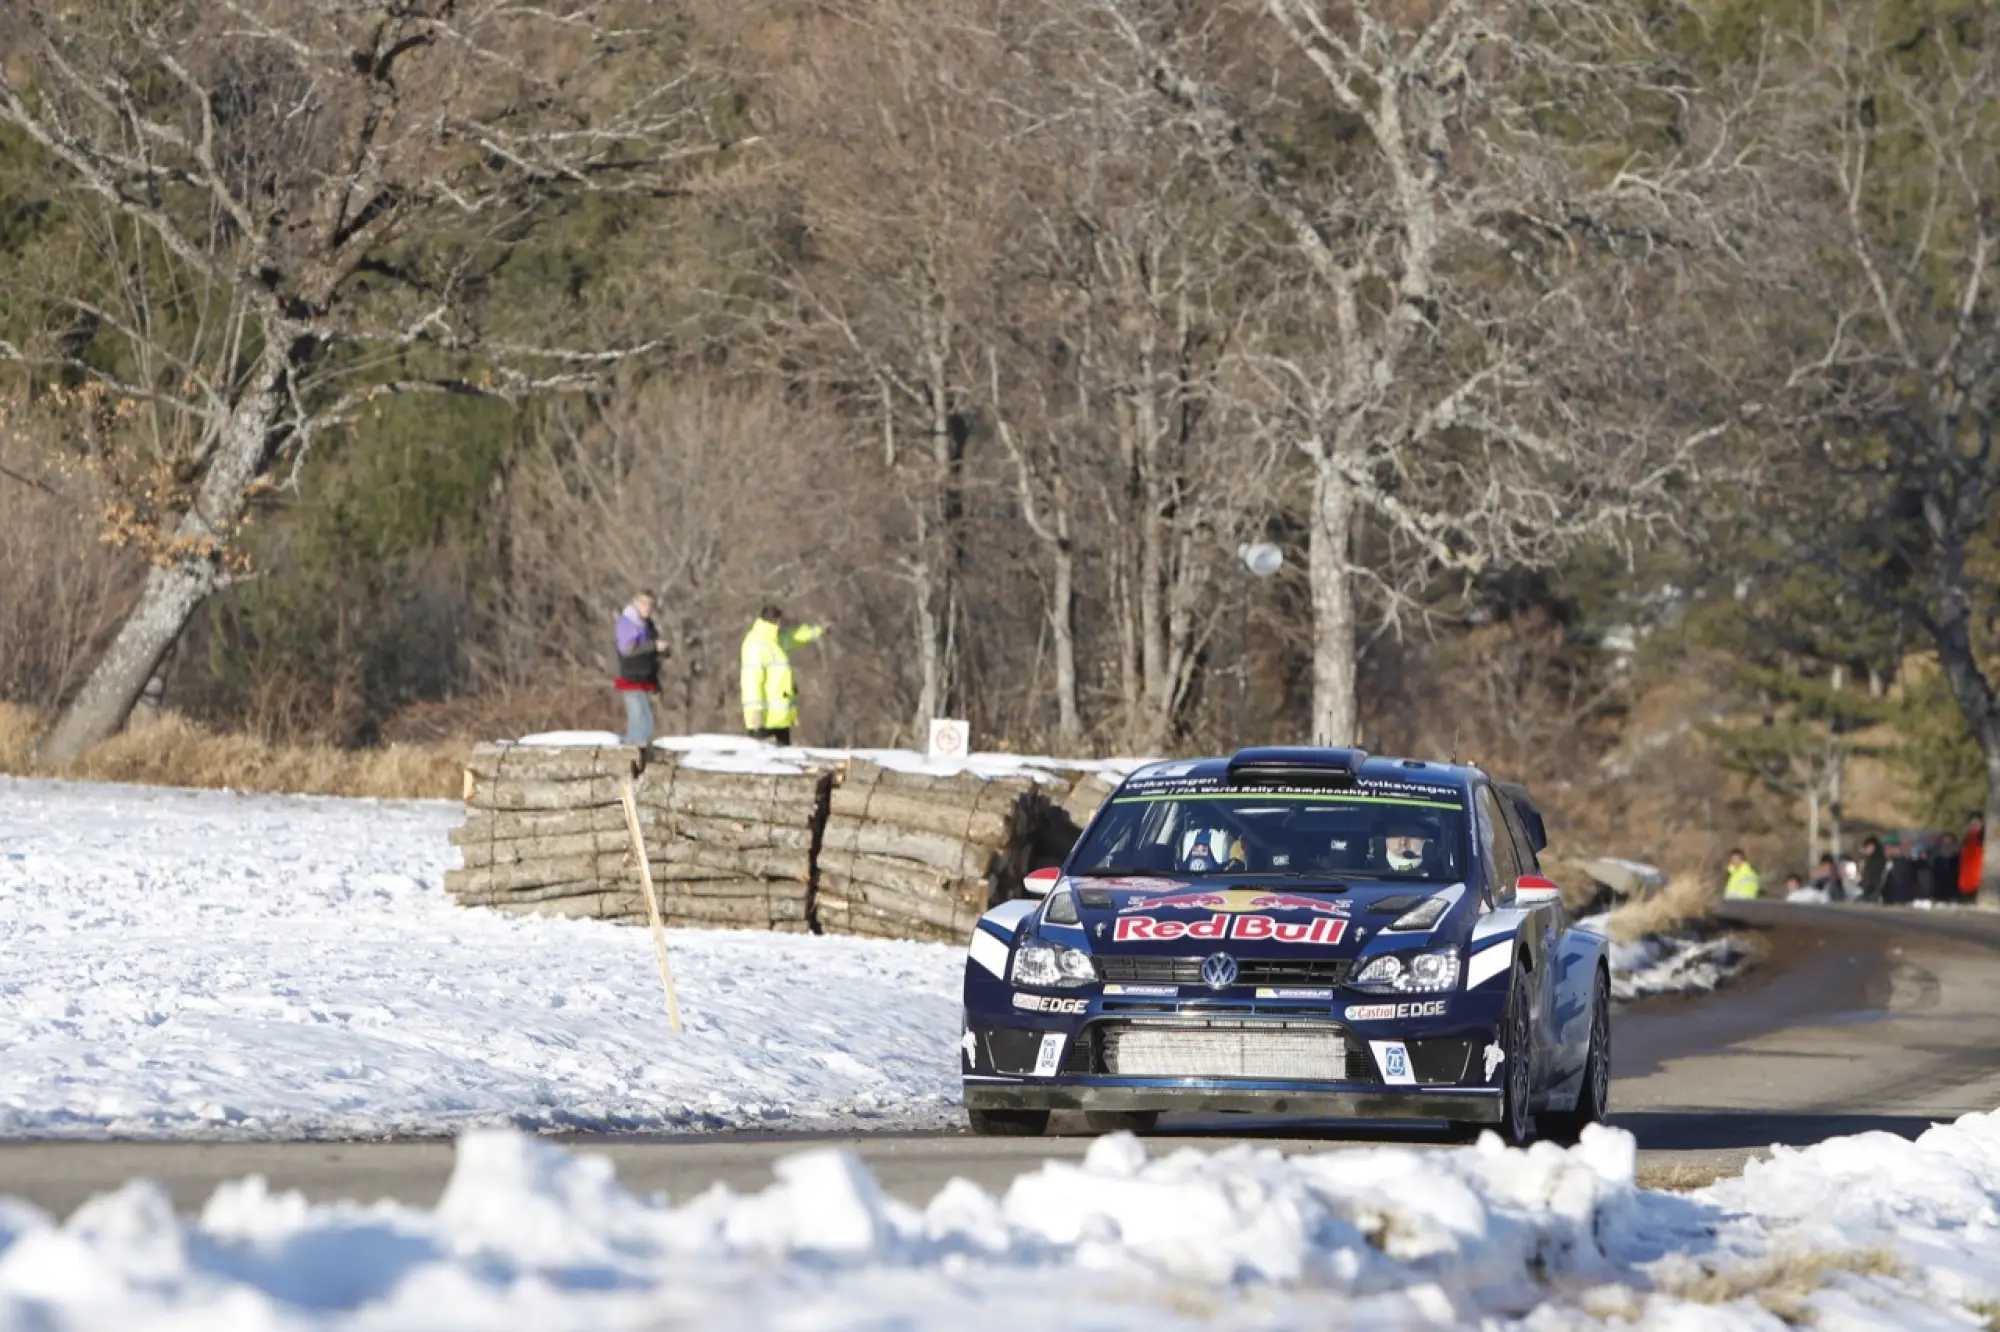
(1593, 1099)
(1517, 1115)
(1008, 1123)
(1121, 1121)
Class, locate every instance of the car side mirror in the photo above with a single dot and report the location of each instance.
(1038, 882)
(1532, 890)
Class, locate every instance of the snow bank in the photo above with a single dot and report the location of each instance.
(739, 753)
(201, 964)
(1678, 963)
(529, 1235)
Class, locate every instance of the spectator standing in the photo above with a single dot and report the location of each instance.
(1742, 884)
(1944, 870)
(1793, 886)
(1972, 857)
(1826, 878)
(638, 642)
(770, 696)
(1874, 868)
(1906, 875)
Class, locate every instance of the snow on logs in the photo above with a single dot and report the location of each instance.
(834, 845)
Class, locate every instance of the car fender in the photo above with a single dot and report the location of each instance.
(1489, 956)
(992, 941)
(1580, 955)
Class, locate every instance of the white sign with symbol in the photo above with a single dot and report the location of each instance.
(1049, 1058)
(1394, 1059)
(949, 739)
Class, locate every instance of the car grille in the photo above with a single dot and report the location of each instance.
(1249, 971)
(1283, 1051)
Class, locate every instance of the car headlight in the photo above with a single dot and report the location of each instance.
(1424, 915)
(1409, 973)
(1053, 965)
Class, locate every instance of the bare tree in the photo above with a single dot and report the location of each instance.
(335, 186)
(1887, 260)
(1458, 371)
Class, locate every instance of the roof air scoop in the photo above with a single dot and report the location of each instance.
(1295, 766)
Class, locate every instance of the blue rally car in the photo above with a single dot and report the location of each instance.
(1293, 931)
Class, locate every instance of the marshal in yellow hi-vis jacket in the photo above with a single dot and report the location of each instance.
(1742, 883)
(770, 697)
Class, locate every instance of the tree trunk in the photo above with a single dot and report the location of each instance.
(175, 590)
(1334, 710)
(1062, 620)
(1812, 824)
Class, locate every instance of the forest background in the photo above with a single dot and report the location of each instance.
(1620, 380)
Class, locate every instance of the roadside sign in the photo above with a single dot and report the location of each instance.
(949, 739)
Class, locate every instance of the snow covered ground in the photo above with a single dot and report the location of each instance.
(1870, 1232)
(202, 964)
(1680, 962)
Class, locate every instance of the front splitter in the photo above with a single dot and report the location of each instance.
(1470, 1105)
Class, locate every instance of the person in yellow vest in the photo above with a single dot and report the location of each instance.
(1742, 882)
(770, 698)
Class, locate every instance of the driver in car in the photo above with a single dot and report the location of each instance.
(1213, 851)
(1406, 845)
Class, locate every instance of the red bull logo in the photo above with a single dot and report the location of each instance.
(1192, 901)
(1332, 906)
(1239, 899)
(1323, 932)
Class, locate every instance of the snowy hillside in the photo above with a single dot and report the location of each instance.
(182, 964)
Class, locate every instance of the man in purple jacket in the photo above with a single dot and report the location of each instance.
(638, 667)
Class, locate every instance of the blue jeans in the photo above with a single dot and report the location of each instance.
(638, 716)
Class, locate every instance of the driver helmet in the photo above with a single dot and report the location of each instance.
(1405, 843)
(1208, 850)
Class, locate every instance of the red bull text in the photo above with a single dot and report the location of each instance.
(1324, 932)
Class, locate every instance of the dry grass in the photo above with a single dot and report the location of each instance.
(1784, 1283)
(1687, 900)
(1685, 1176)
(177, 752)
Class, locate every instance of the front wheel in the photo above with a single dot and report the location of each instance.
(1593, 1099)
(1121, 1121)
(1008, 1123)
(1517, 1117)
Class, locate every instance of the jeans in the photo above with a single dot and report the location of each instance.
(777, 734)
(638, 716)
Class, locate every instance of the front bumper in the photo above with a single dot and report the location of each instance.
(1475, 1105)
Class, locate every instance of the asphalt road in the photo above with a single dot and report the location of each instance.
(1861, 1019)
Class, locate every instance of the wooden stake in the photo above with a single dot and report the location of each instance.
(652, 903)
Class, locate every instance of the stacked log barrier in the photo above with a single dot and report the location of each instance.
(836, 847)
(920, 856)
(545, 835)
(729, 849)
(541, 826)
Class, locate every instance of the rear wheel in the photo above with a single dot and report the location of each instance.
(1008, 1123)
(1121, 1121)
(1517, 1116)
(1593, 1099)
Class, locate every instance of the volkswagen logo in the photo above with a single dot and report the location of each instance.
(1218, 971)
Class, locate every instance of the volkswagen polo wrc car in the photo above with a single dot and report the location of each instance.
(1308, 931)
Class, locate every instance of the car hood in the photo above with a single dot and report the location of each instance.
(1249, 916)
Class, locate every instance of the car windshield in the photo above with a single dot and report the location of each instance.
(1309, 834)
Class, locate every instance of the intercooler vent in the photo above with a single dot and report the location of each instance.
(1280, 1051)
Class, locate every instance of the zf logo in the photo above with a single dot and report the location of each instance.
(1398, 1064)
